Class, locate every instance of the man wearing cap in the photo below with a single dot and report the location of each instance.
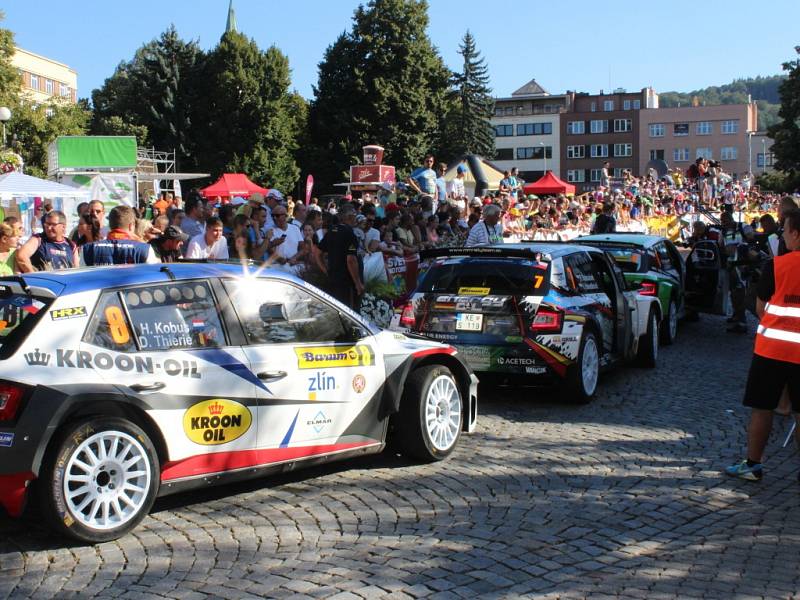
(456, 187)
(168, 247)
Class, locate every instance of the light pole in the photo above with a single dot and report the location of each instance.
(544, 156)
(5, 115)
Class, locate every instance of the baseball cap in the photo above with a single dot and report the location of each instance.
(461, 169)
(360, 219)
(173, 232)
(238, 200)
(476, 202)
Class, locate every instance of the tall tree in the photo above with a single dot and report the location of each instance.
(246, 113)
(383, 82)
(468, 129)
(10, 82)
(786, 132)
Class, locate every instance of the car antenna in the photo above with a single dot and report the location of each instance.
(168, 271)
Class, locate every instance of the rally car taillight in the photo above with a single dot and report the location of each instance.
(547, 320)
(10, 400)
(649, 288)
(408, 319)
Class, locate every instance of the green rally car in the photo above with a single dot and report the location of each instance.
(653, 265)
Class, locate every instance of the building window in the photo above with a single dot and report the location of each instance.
(623, 149)
(729, 127)
(729, 153)
(656, 155)
(623, 125)
(626, 105)
(704, 153)
(617, 172)
(576, 151)
(576, 175)
(535, 152)
(608, 105)
(504, 154)
(503, 130)
(598, 126)
(595, 175)
(598, 150)
(48, 86)
(34, 82)
(760, 162)
(703, 128)
(680, 129)
(534, 129)
(657, 130)
(63, 90)
(593, 106)
(680, 154)
(576, 127)
(498, 111)
(637, 104)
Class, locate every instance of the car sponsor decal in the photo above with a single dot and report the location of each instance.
(285, 441)
(216, 421)
(474, 291)
(227, 361)
(320, 382)
(319, 357)
(105, 361)
(6, 439)
(319, 422)
(471, 303)
(359, 383)
(68, 313)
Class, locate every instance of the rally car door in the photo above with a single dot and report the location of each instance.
(321, 373)
(707, 284)
(165, 347)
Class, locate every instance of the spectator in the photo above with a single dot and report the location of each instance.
(285, 239)
(210, 244)
(8, 249)
(341, 246)
(488, 231)
(605, 222)
(168, 247)
(50, 250)
(423, 180)
(192, 223)
(122, 247)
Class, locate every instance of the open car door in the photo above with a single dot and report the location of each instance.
(707, 283)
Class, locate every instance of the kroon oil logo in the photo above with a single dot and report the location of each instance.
(216, 421)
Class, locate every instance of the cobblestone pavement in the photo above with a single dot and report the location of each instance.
(620, 498)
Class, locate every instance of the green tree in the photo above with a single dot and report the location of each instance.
(246, 115)
(10, 83)
(383, 82)
(786, 132)
(468, 129)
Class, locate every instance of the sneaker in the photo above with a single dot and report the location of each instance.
(743, 471)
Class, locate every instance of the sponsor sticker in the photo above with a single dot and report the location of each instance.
(359, 383)
(328, 357)
(319, 421)
(216, 421)
(105, 361)
(6, 439)
(68, 313)
(474, 291)
(320, 382)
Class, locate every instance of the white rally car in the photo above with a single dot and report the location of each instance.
(120, 384)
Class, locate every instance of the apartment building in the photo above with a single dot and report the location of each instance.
(526, 126)
(601, 127)
(759, 151)
(43, 78)
(681, 135)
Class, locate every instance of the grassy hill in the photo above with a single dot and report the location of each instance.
(763, 90)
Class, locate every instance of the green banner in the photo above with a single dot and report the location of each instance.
(96, 152)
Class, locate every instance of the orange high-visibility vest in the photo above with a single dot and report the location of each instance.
(778, 334)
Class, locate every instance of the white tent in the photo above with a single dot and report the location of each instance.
(18, 194)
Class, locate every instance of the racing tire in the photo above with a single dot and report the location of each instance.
(580, 384)
(669, 326)
(431, 414)
(100, 479)
(647, 355)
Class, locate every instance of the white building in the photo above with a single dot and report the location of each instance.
(527, 133)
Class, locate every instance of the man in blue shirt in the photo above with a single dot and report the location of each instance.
(423, 179)
(441, 186)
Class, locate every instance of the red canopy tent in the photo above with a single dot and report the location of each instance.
(233, 184)
(549, 184)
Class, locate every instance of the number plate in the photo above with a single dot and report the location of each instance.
(469, 322)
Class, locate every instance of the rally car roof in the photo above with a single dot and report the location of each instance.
(71, 281)
(640, 240)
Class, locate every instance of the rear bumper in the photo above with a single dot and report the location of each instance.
(14, 491)
(513, 359)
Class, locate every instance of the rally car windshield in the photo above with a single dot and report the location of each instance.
(630, 260)
(487, 277)
(18, 314)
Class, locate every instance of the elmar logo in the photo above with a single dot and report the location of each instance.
(68, 313)
(37, 358)
(319, 421)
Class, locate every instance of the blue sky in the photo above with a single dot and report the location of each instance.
(580, 45)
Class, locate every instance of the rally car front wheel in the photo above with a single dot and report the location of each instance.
(100, 480)
(431, 414)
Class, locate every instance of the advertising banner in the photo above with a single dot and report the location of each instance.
(111, 188)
